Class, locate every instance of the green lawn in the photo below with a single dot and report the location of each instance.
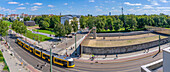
(167, 28)
(121, 30)
(31, 35)
(33, 26)
(44, 31)
(9, 23)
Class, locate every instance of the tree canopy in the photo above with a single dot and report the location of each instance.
(3, 28)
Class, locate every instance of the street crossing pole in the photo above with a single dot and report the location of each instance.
(75, 41)
(50, 60)
(159, 43)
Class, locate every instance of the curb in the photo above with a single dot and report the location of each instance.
(119, 60)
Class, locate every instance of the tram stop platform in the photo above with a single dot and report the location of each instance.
(121, 57)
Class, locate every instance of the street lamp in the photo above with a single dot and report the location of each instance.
(159, 43)
(75, 40)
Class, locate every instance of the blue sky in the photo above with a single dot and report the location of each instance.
(84, 7)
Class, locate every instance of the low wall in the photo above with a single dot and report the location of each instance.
(122, 33)
(121, 49)
(151, 66)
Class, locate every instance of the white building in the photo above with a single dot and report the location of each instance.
(13, 16)
(69, 18)
(1, 15)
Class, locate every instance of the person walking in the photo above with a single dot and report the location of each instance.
(116, 56)
(105, 55)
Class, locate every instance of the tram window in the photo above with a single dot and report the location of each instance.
(71, 63)
(38, 52)
(26, 46)
(31, 49)
(46, 56)
(58, 60)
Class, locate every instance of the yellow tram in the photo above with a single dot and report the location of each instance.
(45, 55)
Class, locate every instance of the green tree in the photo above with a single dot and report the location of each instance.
(27, 18)
(91, 22)
(19, 27)
(3, 28)
(38, 19)
(47, 19)
(4, 18)
(82, 22)
(118, 24)
(59, 30)
(74, 24)
(54, 20)
(109, 23)
(100, 24)
(44, 25)
(68, 27)
(132, 23)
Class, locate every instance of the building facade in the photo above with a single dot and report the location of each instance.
(69, 18)
(1, 15)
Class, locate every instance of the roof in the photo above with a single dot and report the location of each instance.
(1, 14)
(71, 16)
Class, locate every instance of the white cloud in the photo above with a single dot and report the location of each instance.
(12, 2)
(34, 8)
(106, 1)
(91, 1)
(4, 9)
(164, 1)
(21, 4)
(96, 6)
(27, 3)
(21, 8)
(65, 3)
(50, 6)
(147, 7)
(37, 3)
(136, 4)
(98, 9)
(113, 7)
(163, 8)
(154, 3)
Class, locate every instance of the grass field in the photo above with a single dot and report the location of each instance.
(167, 28)
(120, 30)
(33, 26)
(31, 35)
(44, 31)
(9, 23)
(94, 43)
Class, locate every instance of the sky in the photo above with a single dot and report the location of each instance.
(84, 7)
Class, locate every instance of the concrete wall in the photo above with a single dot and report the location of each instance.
(166, 62)
(122, 33)
(121, 49)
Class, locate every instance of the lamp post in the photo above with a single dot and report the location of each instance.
(75, 40)
(51, 60)
(159, 43)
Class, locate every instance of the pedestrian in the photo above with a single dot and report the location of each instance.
(116, 56)
(105, 55)
(45, 64)
(148, 50)
(37, 65)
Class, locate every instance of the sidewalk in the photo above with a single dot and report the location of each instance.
(13, 64)
(121, 57)
(14, 61)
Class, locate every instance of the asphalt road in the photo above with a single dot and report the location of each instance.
(130, 66)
